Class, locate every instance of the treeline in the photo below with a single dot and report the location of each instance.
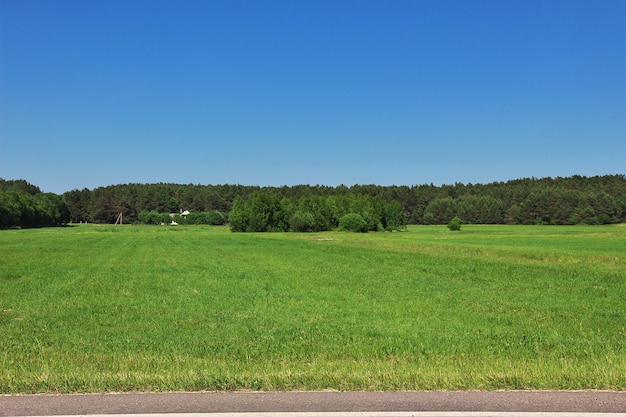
(263, 212)
(562, 200)
(24, 205)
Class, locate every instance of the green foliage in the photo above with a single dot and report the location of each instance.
(591, 200)
(573, 220)
(523, 201)
(323, 209)
(394, 217)
(153, 217)
(264, 212)
(620, 207)
(440, 211)
(213, 217)
(353, 222)
(50, 209)
(217, 218)
(21, 186)
(15, 209)
(455, 224)
(239, 216)
(302, 221)
(259, 213)
(23, 205)
(475, 209)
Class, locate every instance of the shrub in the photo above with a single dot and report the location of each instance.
(214, 217)
(394, 218)
(239, 216)
(455, 224)
(302, 221)
(353, 222)
(573, 219)
(153, 217)
(217, 218)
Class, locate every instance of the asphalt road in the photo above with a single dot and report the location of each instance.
(320, 403)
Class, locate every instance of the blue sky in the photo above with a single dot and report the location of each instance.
(94, 93)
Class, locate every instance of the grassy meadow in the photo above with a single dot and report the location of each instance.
(154, 308)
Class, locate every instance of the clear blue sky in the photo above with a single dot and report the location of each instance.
(256, 92)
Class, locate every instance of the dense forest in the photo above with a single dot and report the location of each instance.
(561, 200)
(262, 212)
(24, 205)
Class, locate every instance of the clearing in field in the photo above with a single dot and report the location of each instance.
(141, 308)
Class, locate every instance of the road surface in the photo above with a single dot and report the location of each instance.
(308, 404)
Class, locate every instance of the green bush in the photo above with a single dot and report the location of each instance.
(153, 217)
(353, 222)
(213, 217)
(302, 221)
(394, 218)
(455, 224)
(217, 218)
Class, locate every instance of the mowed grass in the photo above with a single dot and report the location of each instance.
(140, 308)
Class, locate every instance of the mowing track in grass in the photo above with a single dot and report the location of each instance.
(138, 308)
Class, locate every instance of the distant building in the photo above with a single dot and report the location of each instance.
(181, 214)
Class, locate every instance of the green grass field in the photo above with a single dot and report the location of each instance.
(140, 308)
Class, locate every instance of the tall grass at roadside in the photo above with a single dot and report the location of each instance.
(93, 309)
